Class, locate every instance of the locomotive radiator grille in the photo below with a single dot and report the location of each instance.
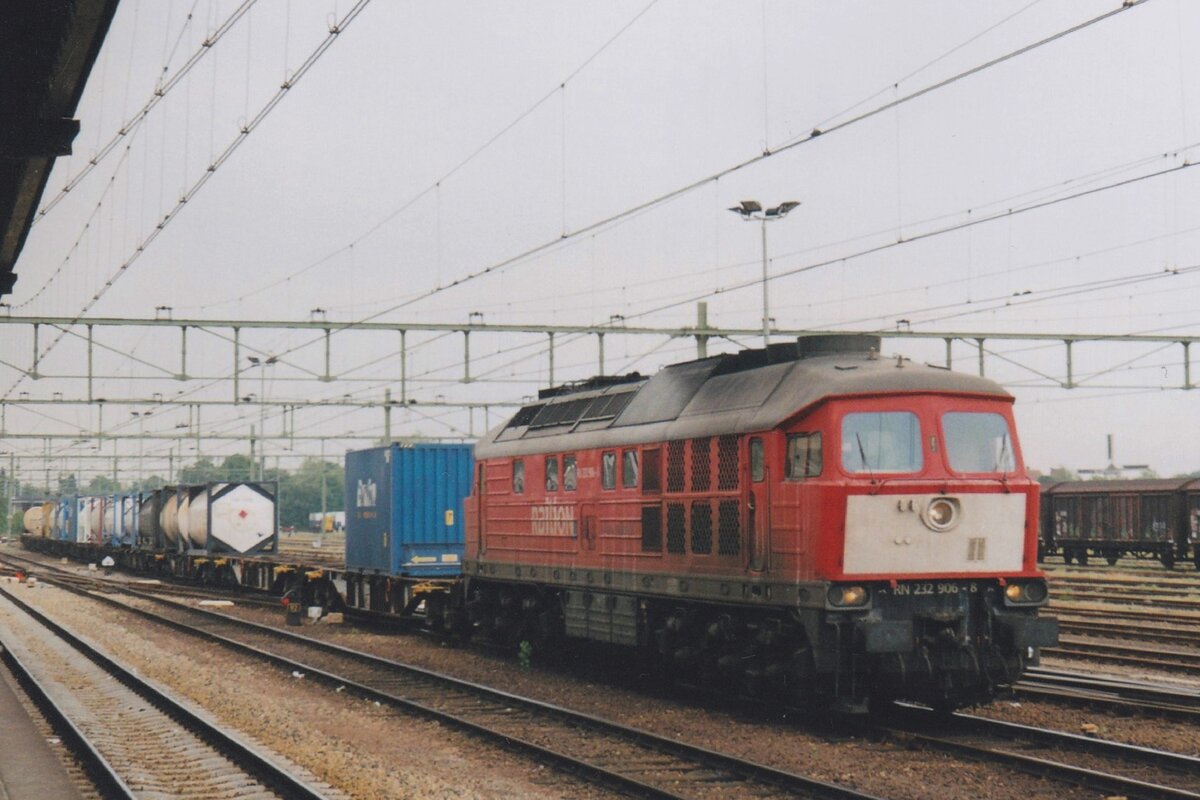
(675, 482)
(701, 464)
(702, 528)
(727, 463)
(675, 528)
(729, 535)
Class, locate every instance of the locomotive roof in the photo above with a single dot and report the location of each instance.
(724, 394)
(1139, 486)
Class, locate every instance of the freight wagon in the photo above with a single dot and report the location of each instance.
(1157, 519)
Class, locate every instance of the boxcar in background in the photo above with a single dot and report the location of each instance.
(1142, 518)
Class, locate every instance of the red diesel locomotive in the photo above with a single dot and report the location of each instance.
(809, 523)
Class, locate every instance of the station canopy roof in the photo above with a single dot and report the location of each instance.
(47, 49)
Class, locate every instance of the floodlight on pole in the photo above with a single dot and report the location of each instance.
(752, 211)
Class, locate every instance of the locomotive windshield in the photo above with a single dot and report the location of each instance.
(887, 441)
(978, 442)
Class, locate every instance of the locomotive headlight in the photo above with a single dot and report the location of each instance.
(847, 596)
(941, 513)
(1027, 593)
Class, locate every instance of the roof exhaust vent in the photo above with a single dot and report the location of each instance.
(829, 344)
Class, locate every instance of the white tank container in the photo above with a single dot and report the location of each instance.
(83, 519)
(198, 519)
(183, 522)
(111, 515)
(129, 517)
(168, 520)
(33, 521)
(242, 518)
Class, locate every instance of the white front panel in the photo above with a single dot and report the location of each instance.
(886, 534)
(242, 518)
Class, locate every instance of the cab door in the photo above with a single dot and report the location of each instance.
(758, 506)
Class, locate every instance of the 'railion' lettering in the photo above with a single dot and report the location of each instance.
(552, 520)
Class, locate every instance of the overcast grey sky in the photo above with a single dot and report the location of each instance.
(340, 200)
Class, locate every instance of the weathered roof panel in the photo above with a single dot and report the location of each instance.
(730, 394)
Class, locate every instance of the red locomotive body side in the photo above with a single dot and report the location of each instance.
(817, 497)
(798, 524)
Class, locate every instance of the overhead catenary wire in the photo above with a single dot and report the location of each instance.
(160, 92)
(690, 187)
(435, 186)
(221, 159)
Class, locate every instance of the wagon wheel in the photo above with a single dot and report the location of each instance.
(1081, 556)
(1168, 559)
(1112, 559)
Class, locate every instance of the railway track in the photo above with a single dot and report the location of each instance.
(627, 759)
(1143, 633)
(1111, 692)
(1066, 757)
(133, 738)
(1134, 656)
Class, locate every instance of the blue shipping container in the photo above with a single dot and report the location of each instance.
(404, 508)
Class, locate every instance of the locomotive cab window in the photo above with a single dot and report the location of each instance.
(629, 469)
(608, 470)
(804, 455)
(570, 474)
(518, 476)
(551, 473)
(978, 442)
(881, 441)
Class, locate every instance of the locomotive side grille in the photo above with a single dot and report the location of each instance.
(702, 528)
(727, 463)
(675, 528)
(652, 529)
(729, 534)
(701, 464)
(675, 466)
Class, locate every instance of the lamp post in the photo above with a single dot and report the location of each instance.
(262, 364)
(752, 211)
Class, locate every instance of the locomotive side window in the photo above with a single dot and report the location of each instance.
(570, 475)
(978, 442)
(551, 473)
(758, 469)
(804, 455)
(881, 441)
(608, 470)
(629, 469)
(518, 483)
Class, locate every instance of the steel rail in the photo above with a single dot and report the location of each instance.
(919, 720)
(104, 777)
(1056, 770)
(1144, 656)
(245, 756)
(733, 768)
